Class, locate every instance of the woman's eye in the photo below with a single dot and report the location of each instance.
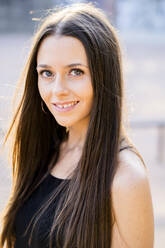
(46, 74)
(76, 72)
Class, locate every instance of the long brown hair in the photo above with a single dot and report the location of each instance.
(83, 217)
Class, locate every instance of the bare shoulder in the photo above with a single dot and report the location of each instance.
(132, 204)
(131, 170)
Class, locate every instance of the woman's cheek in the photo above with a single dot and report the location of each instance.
(42, 89)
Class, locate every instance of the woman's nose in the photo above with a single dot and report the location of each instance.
(59, 86)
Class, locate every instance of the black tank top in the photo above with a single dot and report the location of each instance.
(29, 208)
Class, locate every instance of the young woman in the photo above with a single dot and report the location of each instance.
(77, 181)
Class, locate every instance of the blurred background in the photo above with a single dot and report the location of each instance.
(141, 30)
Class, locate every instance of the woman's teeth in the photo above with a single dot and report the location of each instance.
(66, 105)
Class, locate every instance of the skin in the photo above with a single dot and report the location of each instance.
(133, 222)
(132, 204)
(59, 81)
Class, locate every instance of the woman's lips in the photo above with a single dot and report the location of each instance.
(62, 107)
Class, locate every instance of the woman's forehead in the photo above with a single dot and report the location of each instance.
(63, 50)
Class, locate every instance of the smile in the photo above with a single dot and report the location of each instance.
(65, 107)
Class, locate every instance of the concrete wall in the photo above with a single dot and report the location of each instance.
(17, 15)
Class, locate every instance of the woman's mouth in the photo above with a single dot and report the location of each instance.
(65, 107)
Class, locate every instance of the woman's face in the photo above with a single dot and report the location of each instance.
(64, 80)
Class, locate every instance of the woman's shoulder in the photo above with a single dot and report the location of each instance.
(132, 203)
(131, 174)
(131, 168)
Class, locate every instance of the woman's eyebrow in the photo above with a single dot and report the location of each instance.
(70, 65)
(43, 66)
(76, 64)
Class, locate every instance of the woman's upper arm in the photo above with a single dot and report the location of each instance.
(132, 206)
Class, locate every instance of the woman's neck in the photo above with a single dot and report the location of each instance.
(77, 135)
